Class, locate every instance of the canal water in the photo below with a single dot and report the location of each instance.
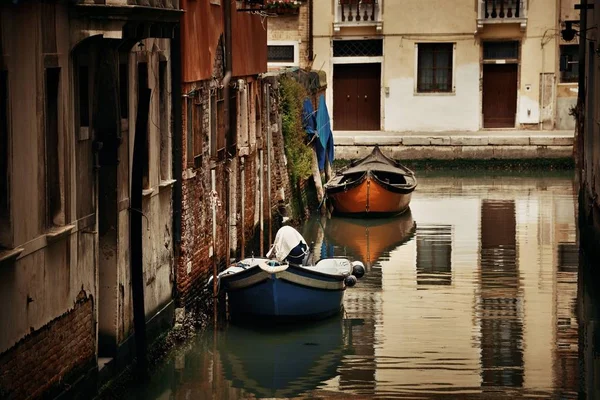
(473, 294)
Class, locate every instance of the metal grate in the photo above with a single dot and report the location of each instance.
(358, 48)
(280, 53)
(501, 50)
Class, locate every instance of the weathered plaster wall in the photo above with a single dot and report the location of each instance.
(45, 281)
(406, 110)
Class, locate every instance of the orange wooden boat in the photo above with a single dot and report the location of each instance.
(374, 185)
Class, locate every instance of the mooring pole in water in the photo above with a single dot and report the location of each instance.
(140, 158)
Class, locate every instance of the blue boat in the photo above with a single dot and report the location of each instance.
(265, 288)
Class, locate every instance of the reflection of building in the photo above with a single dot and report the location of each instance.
(434, 255)
(567, 327)
(500, 305)
(588, 300)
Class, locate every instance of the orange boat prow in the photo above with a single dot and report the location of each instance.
(370, 197)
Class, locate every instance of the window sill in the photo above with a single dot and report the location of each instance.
(9, 255)
(166, 184)
(147, 192)
(453, 93)
(58, 232)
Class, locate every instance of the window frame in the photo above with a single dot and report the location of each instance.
(294, 63)
(452, 90)
(54, 205)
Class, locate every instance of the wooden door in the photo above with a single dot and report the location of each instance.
(369, 97)
(345, 92)
(356, 97)
(499, 95)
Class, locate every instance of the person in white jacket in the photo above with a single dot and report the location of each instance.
(289, 245)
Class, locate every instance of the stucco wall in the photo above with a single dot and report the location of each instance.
(406, 110)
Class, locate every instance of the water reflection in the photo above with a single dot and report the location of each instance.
(500, 308)
(474, 294)
(284, 361)
(434, 255)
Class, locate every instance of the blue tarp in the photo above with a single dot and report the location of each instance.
(309, 119)
(320, 125)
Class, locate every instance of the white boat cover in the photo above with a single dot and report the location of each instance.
(285, 240)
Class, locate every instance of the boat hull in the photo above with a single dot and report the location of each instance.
(369, 197)
(295, 293)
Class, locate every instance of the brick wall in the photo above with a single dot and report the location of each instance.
(47, 356)
(292, 28)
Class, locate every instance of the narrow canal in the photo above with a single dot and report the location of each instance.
(474, 294)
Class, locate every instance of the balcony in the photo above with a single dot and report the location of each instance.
(358, 13)
(502, 12)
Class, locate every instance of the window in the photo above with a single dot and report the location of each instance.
(53, 194)
(189, 131)
(83, 104)
(124, 85)
(281, 53)
(198, 117)
(164, 117)
(434, 67)
(143, 84)
(570, 53)
(232, 134)
(501, 50)
(217, 125)
(358, 48)
(4, 152)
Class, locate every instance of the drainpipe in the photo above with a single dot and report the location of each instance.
(269, 178)
(581, 81)
(213, 247)
(243, 203)
(229, 117)
(310, 31)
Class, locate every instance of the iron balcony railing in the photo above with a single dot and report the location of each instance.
(502, 11)
(358, 13)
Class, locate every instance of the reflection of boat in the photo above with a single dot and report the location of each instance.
(368, 239)
(375, 184)
(259, 287)
(270, 362)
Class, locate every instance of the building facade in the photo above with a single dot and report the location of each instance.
(440, 66)
(90, 83)
(229, 167)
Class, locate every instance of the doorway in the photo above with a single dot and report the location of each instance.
(500, 95)
(357, 97)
